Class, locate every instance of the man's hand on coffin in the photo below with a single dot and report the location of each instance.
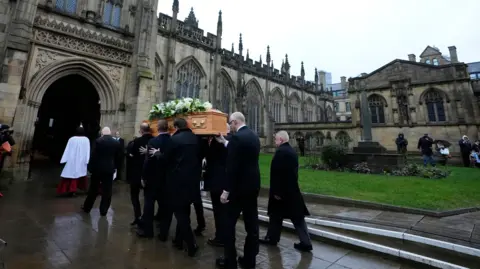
(152, 151)
(142, 150)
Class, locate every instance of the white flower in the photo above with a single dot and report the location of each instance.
(207, 105)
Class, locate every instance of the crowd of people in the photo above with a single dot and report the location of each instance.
(169, 169)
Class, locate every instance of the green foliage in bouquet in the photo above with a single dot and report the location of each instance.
(178, 107)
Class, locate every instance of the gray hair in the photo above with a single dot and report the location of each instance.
(238, 116)
(106, 131)
(283, 135)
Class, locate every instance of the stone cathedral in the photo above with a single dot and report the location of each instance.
(105, 62)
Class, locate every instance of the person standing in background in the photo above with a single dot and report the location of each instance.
(120, 169)
(465, 150)
(425, 144)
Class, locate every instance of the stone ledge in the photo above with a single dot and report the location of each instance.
(332, 200)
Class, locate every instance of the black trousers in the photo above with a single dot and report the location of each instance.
(466, 159)
(302, 151)
(150, 196)
(184, 231)
(105, 180)
(218, 215)
(135, 187)
(275, 229)
(246, 204)
(198, 206)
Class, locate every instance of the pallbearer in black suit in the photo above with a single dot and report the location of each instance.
(138, 153)
(286, 200)
(153, 179)
(103, 162)
(240, 192)
(183, 159)
(214, 176)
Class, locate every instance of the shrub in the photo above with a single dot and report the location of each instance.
(419, 171)
(362, 168)
(334, 156)
(312, 160)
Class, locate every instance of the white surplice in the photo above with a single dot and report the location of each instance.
(76, 155)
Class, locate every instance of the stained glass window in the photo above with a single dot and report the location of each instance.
(107, 12)
(435, 107)
(188, 80)
(69, 6)
(226, 89)
(253, 107)
(276, 106)
(376, 104)
(116, 16)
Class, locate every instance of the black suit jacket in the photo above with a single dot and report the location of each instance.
(183, 158)
(106, 155)
(243, 172)
(138, 159)
(284, 183)
(216, 168)
(154, 169)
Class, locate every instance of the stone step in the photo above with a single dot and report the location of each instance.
(399, 244)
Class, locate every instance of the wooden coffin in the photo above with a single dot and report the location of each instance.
(210, 122)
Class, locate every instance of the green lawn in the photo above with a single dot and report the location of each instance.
(461, 189)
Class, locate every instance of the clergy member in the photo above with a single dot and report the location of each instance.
(75, 157)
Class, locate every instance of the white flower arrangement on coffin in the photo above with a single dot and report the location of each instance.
(180, 106)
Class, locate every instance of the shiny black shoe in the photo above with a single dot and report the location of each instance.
(303, 247)
(141, 233)
(192, 250)
(267, 241)
(199, 230)
(244, 264)
(215, 242)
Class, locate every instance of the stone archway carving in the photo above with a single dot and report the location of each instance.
(45, 77)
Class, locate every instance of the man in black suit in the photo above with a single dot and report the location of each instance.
(183, 159)
(138, 153)
(240, 192)
(215, 174)
(122, 155)
(103, 162)
(153, 180)
(286, 200)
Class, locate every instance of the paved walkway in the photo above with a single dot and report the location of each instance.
(46, 232)
(461, 229)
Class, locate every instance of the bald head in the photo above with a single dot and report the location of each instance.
(281, 137)
(237, 119)
(106, 131)
(144, 128)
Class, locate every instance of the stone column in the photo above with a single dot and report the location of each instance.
(412, 108)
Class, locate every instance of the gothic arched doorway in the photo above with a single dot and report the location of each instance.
(68, 102)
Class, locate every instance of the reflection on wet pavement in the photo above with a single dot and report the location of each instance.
(43, 231)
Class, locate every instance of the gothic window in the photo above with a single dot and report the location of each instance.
(337, 107)
(309, 110)
(188, 80)
(329, 114)
(376, 105)
(435, 107)
(112, 13)
(319, 138)
(427, 61)
(342, 138)
(435, 61)
(319, 114)
(402, 102)
(348, 107)
(226, 89)
(253, 107)
(295, 108)
(276, 102)
(69, 6)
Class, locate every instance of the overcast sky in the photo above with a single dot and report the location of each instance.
(344, 37)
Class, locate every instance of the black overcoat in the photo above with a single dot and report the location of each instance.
(284, 183)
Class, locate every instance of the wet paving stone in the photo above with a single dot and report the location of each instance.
(47, 232)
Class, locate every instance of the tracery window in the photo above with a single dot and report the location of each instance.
(319, 114)
(342, 138)
(226, 89)
(435, 107)
(309, 110)
(376, 105)
(253, 107)
(112, 13)
(188, 80)
(276, 102)
(295, 109)
(69, 6)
